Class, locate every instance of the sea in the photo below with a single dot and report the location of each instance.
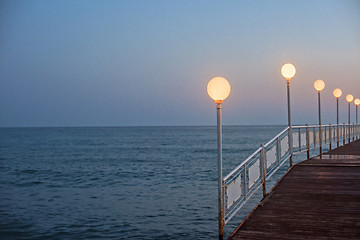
(119, 182)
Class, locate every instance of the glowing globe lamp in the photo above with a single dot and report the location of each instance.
(218, 89)
(337, 92)
(319, 85)
(357, 102)
(349, 98)
(288, 71)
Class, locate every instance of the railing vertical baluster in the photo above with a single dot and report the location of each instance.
(299, 139)
(344, 133)
(278, 152)
(263, 169)
(314, 133)
(307, 141)
(356, 131)
(341, 134)
(353, 132)
(337, 135)
(350, 133)
(330, 132)
(325, 136)
(245, 181)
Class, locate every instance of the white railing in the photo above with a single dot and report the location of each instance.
(242, 182)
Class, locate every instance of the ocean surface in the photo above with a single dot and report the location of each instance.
(118, 182)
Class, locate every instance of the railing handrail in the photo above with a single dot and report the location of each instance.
(242, 164)
(253, 154)
(324, 125)
(277, 136)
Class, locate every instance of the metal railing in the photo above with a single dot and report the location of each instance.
(242, 182)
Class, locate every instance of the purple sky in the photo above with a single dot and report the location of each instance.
(125, 63)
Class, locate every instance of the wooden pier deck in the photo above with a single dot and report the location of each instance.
(316, 199)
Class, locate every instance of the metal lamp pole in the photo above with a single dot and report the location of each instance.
(337, 119)
(337, 93)
(289, 123)
(288, 71)
(320, 128)
(357, 102)
(357, 127)
(218, 89)
(349, 124)
(349, 98)
(319, 85)
(220, 177)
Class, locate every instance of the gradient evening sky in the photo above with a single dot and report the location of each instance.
(128, 63)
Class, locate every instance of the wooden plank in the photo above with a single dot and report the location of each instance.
(317, 199)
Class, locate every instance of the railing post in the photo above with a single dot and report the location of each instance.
(344, 133)
(263, 169)
(353, 131)
(308, 141)
(330, 133)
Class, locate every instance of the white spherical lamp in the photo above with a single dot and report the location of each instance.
(337, 92)
(218, 89)
(319, 85)
(288, 71)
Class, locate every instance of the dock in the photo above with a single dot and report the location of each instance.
(318, 198)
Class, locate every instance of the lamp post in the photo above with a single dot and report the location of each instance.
(288, 71)
(349, 98)
(357, 102)
(337, 93)
(218, 89)
(319, 85)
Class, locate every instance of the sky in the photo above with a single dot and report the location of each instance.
(147, 63)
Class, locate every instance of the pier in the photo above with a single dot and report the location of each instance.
(318, 198)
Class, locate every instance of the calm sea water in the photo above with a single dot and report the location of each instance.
(120, 183)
